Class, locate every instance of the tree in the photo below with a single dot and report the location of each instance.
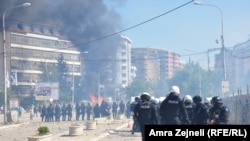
(62, 68)
(137, 87)
(161, 88)
(192, 80)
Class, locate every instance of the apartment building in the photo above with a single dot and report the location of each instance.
(124, 62)
(153, 64)
(33, 50)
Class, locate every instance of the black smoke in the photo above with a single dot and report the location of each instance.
(84, 22)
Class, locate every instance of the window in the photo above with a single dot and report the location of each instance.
(124, 74)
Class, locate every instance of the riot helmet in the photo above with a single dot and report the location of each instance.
(197, 99)
(174, 89)
(137, 99)
(187, 99)
(145, 96)
(216, 100)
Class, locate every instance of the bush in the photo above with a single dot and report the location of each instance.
(42, 130)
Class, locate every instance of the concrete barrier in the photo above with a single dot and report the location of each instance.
(75, 129)
(90, 125)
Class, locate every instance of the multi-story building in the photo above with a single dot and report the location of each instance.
(33, 50)
(124, 62)
(154, 64)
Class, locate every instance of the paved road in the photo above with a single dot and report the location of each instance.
(117, 130)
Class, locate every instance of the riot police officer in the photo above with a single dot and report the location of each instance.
(57, 113)
(69, 111)
(64, 112)
(200, 114)
(145, 113)
(207, 102)
(218, 113)
(189, 106)
(135, 126)
(172, 108)
(78, 111)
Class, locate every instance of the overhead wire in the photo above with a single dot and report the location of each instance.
(129, 28)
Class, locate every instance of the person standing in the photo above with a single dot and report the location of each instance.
(207, 102)
(145, 113)
(218, 113)
(200, 115)
(172, 108)
(83, 110)
(88, 111)
(57, 112)
(189, 106)
(50, 113)
(114, 109)
(69, 112)
(122, 107)
(135, 126)
(78, 111)
(43, 113)
(128, 112)
(97, 111)
(64, 112)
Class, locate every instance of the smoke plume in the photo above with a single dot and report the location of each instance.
(83, 22)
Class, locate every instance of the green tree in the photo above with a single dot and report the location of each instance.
(62, 68)
(192, 80)
(137, 87)
(161, 89)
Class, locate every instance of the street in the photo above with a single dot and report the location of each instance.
(116, 130)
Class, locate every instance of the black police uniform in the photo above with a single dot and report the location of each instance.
(171, 110)
(218, 112)
(189, 106)
(200, 114)
(64, 112)
(145, 113)
(135, 126)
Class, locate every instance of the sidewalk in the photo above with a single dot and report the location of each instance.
(24, 119)
(117, 131)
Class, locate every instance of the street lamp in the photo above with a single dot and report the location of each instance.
(73, 83)
(5, 57)
(222, 35)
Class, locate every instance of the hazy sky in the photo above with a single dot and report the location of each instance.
(187, 30)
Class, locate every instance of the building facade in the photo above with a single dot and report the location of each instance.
(32, 51)
(124, 62)
(154, 64)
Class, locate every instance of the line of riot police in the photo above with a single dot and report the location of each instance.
(58, 113)
(174, 110)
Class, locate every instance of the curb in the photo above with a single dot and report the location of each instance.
(13, 125)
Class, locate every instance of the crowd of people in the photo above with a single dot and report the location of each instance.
(174, 110)
(145, 109)
(83, 111)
